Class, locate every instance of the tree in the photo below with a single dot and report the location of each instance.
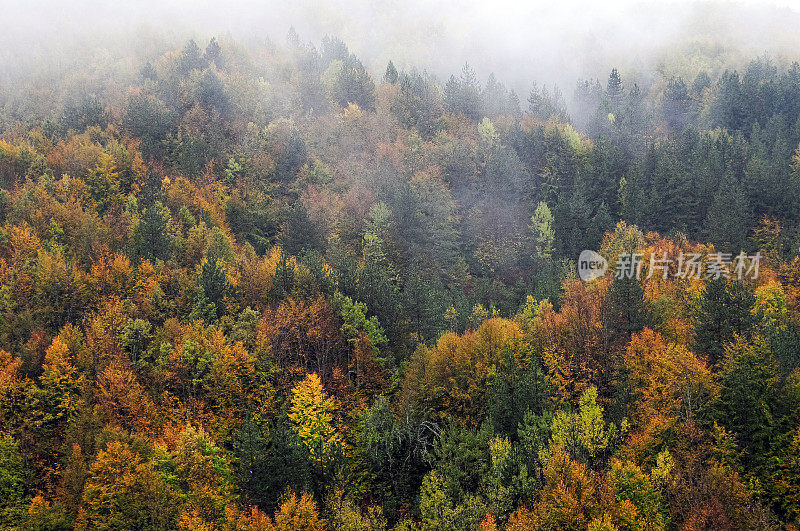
(347, 516)
(750, 401)
(12, 482)
(391, 74)
(148, 119)
(213, 54)
(104, 184)
(213, 287)
(151, 238)
(463, 95)
(665, 381)
(270, 460)
(59, 398)
(12, 386)
(614, 86)
(461, 376)
(544, 105)
(135, 338)
(723, 311)
(301, 233)
(304, 337)
(84, 113)
(211, 95)
(355, 321)
(203, 471)
(574, 497)
(729, 217)
(543, 233)
(123, 490)
(786, 478)
(462, 460)
(298, 514)
(348, 82)
(584, 433)
(396, 450)
(628, 482)
(677, 105)
(311, 414)
(190, 58)
(418, 104)
(440, 513)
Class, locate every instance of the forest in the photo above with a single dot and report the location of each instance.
(257, 286)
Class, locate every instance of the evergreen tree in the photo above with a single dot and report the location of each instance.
(627, 309)
(151, 237)
(729, 217)
(614, 89)
(391, 74)
(463, 95)
(723, 311)
(677, 105)
(212, 288)
(750, 398)
(190, 58)
(213, 54)
(301, 233)
(543, 233)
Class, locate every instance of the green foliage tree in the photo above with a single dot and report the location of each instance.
(723, 311)
(151, 238)
(584, 433)
(12, 482)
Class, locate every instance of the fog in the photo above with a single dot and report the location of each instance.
(521, 42)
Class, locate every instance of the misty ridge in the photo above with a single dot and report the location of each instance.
(520, 43)
(383, 265)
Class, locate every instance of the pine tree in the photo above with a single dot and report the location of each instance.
(627, 309)
(213, 54)
(729, 217)
(391, 75)
(723, 311)
(212, 287)
(614, 89)
(151, 237)
(750, 397)
(190, 58)
(677, 105)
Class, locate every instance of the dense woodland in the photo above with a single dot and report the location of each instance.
(255, 286)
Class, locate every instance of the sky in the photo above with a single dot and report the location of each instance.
(554, 42)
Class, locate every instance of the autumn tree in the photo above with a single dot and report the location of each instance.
(204, 474)
(123, 490)
(311, 414)
(665, 382)
(298, 513)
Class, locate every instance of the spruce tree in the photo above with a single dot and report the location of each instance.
(391, 74)
(723, 312)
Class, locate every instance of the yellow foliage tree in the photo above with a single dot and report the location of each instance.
(298, 514)
(312, 417)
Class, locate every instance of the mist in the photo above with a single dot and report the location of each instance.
(520, 42)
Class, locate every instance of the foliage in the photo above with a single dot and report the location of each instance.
(241, 279)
